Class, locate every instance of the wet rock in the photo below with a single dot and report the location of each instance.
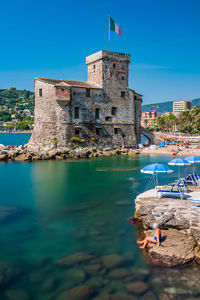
(41, 261)
(36, 157)
(95, 282)
(116, 297)
(93, 269)
(197, 253)
(36, 277)
(103, 271)
(16, 295)
(114, 261)
(179, 293)
(45, 156)
(73, 259)
(58, 157)
(119, 273)
(3, 156)
(23, 157)
(75, 275)
(138, 274)
(176, 249)
(148, 296)
(137, 287)
(83, 292)
(13, 154)
(8, 273)
(49, 285)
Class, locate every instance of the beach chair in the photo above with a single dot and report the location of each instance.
(191, 179)
(182, 183)
(170, 190)
(197, 177)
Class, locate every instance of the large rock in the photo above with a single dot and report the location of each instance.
(13, 154)
(17, 295)
(3, 156)
(83, 292)
(73, 259)
(114, 261)
(7, 273)
(119, 273)
(137, 287)
(176, 248)
(93, 269)
(23, 157)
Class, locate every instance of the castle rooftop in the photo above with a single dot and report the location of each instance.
(70, 83)
(113, 56)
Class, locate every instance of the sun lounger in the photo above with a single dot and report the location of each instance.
(170, 190)
(197, 178)
(191, 179)
(181, 182)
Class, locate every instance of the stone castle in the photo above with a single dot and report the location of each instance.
(102, 109)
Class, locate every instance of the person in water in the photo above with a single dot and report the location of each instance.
(156, 239)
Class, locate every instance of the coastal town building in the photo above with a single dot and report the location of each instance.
(167, 113)
(102, 109)
(149, 119)
(180, 106)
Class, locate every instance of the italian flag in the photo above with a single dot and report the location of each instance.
(115, 27)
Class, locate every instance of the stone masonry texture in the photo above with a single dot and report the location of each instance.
(102, 109)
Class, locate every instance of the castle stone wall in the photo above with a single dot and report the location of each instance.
(106, 89)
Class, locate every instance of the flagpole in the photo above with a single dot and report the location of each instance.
(109, 35)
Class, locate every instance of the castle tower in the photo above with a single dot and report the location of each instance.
(109, 70)
(102, 108)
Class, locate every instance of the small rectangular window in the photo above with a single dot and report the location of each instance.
(40, 92)
(113, 110)
(116, 130)
(97, 131)
(87, 92)
(97, 113)
(77, 131)
(135, 97)
(108, 119)
(122, 94)
(76, 112)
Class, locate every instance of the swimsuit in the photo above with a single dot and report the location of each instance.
(155, 237)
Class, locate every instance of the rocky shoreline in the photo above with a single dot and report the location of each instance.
(24, 153)
(180, 224)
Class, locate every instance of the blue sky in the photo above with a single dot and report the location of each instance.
(52, 39)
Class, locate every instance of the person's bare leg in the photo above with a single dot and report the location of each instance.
(140, 242)
(149, 239)
(144, 245)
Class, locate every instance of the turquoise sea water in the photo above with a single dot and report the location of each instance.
(67, 207)
(14, 139)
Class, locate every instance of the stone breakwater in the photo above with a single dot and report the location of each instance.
(180, 224)
(23, 153)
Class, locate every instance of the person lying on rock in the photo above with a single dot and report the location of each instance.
(156, 239)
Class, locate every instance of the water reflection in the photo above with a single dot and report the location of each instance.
(71, 208)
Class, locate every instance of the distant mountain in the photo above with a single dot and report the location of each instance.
(165, 106)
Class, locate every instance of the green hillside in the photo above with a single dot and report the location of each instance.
(16, 108)
(165, 106)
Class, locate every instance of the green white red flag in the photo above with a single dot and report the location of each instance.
(115, 27)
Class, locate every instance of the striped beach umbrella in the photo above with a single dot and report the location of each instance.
(179, 162)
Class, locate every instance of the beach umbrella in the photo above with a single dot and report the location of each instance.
(162, 144)
(193, 160)
(154, 169)
(179, 162)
